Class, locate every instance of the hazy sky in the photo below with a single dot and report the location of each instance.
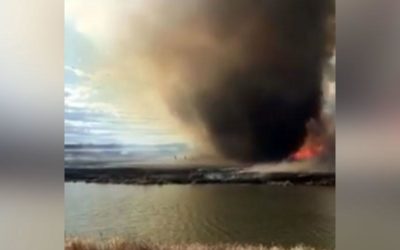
(93, 112)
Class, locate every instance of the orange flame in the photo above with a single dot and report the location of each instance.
(309, 150)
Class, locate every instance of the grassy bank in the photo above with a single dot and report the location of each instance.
(120, 244)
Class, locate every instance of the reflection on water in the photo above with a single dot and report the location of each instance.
(203, 213)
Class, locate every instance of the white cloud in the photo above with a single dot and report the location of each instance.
(93, 112)
(99, 20)
(83, 97)
(91, 18)
(93, 120)
(78, 72)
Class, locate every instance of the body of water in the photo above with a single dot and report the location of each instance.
(203, 213)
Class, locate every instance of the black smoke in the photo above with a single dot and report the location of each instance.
(259, 110)
(247, 74)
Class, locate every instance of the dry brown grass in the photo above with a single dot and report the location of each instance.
(120, 244)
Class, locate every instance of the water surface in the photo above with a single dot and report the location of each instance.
(203, 213)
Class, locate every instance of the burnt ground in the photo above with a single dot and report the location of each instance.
(145, 175)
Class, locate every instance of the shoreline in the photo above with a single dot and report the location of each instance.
(191, 175)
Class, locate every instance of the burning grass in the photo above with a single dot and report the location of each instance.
(121, 244)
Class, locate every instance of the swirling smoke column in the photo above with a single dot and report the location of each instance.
(248, 73)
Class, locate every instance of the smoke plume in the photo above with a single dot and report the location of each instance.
(244, 76)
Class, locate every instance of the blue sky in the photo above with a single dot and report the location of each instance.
(93, 112)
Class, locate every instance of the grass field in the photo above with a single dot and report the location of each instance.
(121, 244)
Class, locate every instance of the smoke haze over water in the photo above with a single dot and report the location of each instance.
(243, 77)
